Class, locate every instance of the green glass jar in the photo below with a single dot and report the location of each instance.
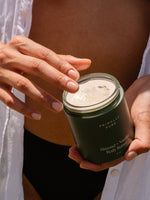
(102, 126)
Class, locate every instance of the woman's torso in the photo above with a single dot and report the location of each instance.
(113, 34)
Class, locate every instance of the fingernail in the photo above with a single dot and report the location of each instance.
(72, 86)
(73, 74)
(36, 116)
(57, 106)
(131, 155)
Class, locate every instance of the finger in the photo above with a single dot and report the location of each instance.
(141, 143)
(43, 70)
(74, 154)
(79, 63)
(32, 90)
(84, 164)
(13, 102)
(31, 48)
(98, 167)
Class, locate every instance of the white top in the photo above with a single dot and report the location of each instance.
(126, 181)
(15, 19)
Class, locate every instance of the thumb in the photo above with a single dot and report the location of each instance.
(141, 143)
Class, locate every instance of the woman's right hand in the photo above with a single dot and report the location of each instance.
(22, 55)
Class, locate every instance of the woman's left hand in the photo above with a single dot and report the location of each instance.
(138, 99)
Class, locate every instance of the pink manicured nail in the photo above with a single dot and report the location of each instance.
(36, 116)
(73, 74)
(57, 106)
(72, 86)
(131, 155)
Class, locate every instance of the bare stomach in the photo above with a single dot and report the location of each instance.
(112, 35)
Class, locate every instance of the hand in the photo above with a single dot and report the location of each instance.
(84, 164)
(22, 55)
(138, 99)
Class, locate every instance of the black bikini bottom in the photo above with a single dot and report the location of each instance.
(54, 175)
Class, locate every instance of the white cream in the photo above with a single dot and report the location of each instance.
(91, 92)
